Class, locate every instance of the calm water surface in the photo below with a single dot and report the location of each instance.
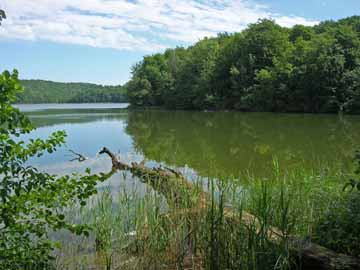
(211, 144)
(67, 106)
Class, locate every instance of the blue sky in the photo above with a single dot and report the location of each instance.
(99, 40)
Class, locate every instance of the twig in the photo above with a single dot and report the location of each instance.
(79, 157)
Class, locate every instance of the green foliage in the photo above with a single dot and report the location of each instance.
(32, 202)
(38, 91)
(354, 183)
(340, 228)
(264, 68)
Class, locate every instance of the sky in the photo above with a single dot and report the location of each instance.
(99, 40)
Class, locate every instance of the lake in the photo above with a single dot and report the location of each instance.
(209, 144)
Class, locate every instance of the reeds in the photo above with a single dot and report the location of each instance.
(143, 230)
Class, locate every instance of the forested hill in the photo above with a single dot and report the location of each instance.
(266, 67)
(39, 91)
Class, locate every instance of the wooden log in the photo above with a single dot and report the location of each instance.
(315, 257)
(168, 182)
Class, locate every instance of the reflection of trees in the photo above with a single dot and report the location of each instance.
(346, 127)
(73, 116)
(229, 143)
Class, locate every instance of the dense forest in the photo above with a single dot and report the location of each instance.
(38, 91)
(266, 67)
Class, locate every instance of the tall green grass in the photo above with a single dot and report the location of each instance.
(141, 230)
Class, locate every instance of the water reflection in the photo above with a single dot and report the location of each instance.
(70, 106)
(231, 143)
(213, 144)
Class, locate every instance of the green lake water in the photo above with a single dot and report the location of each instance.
(209, 144)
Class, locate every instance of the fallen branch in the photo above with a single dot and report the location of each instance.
(79, 157)
(168, 182)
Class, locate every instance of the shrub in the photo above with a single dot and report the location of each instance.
(32, 202)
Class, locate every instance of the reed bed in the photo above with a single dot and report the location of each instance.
(134, 229)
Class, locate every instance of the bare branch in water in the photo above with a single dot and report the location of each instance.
(79, 157)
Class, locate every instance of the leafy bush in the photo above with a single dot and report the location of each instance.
(340, 228)
(32, 202)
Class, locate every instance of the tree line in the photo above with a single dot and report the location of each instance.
(39, 91)
(266, 67)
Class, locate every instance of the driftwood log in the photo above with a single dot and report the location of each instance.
(174, 186)
(166, 181)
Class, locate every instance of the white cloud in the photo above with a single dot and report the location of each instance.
(146, 25)
(291, 21)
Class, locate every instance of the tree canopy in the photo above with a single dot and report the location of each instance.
(39, 91)
(266, 67)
